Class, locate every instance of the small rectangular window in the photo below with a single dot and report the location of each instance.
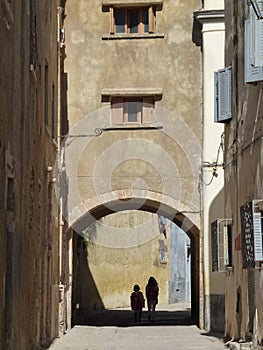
(221, 244)
(136, 110)
(46, 112)
(135, 20)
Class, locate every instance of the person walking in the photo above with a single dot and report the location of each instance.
(152, 292)
(137, 303)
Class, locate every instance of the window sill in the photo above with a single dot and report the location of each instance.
(131, 2)
(131, 126)
(132, 36)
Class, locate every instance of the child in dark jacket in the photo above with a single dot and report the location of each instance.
(137, 303)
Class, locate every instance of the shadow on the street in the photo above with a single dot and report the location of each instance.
(125, 318)
(215, 334)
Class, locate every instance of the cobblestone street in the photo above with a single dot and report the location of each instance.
(115, 330)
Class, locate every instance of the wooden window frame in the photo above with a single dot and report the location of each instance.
(141, 24)
(145, 110)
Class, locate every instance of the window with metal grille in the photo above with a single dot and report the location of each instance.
(251, 215)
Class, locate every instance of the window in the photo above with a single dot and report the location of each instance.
(46, 95)
(221, 244)
(253, 47)
(223, 95)
(134, 20)
(33, 34)
(251, 215)
(136, 110)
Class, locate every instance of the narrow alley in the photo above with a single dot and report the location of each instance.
(115, 329)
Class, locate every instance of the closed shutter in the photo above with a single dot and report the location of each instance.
(223, 95)
(152, 23)
(257, 228)
(259, 38)
(148, 110)
(117, 110)
(252, 72)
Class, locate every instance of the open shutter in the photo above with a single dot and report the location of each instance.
(223, 95)
(125, 111)
(117, 110)
(152, 23)
(216, 97)
(148, 110)
(112, 22)
(259, 38)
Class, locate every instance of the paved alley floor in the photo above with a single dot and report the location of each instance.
(172, 329)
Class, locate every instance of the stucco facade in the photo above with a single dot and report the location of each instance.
(153, 166)
(243, 181)
(209, 33)
(29, 225)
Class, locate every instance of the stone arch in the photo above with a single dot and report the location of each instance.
(120, 200)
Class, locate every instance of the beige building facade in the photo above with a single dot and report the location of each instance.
(209, 34)
(239, 106)
(134, 139)
(29, 215)
(243, 173)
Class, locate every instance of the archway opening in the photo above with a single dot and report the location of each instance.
(96, 244)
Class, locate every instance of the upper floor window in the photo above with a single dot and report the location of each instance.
(253, 46)
(223, 95)
(134, 110)
(133, 20)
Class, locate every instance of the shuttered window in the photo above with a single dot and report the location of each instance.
(223, 95)
(221, 244)
(253, 47)
(251, 215)
(134, 20)
(132, 110)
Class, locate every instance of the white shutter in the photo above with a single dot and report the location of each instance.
(259, 37)
(223, 95)
(257, 229)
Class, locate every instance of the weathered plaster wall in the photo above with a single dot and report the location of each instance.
(119, 254)
(29, 233)
(210, 21)
(163, 160)
(243, 176)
